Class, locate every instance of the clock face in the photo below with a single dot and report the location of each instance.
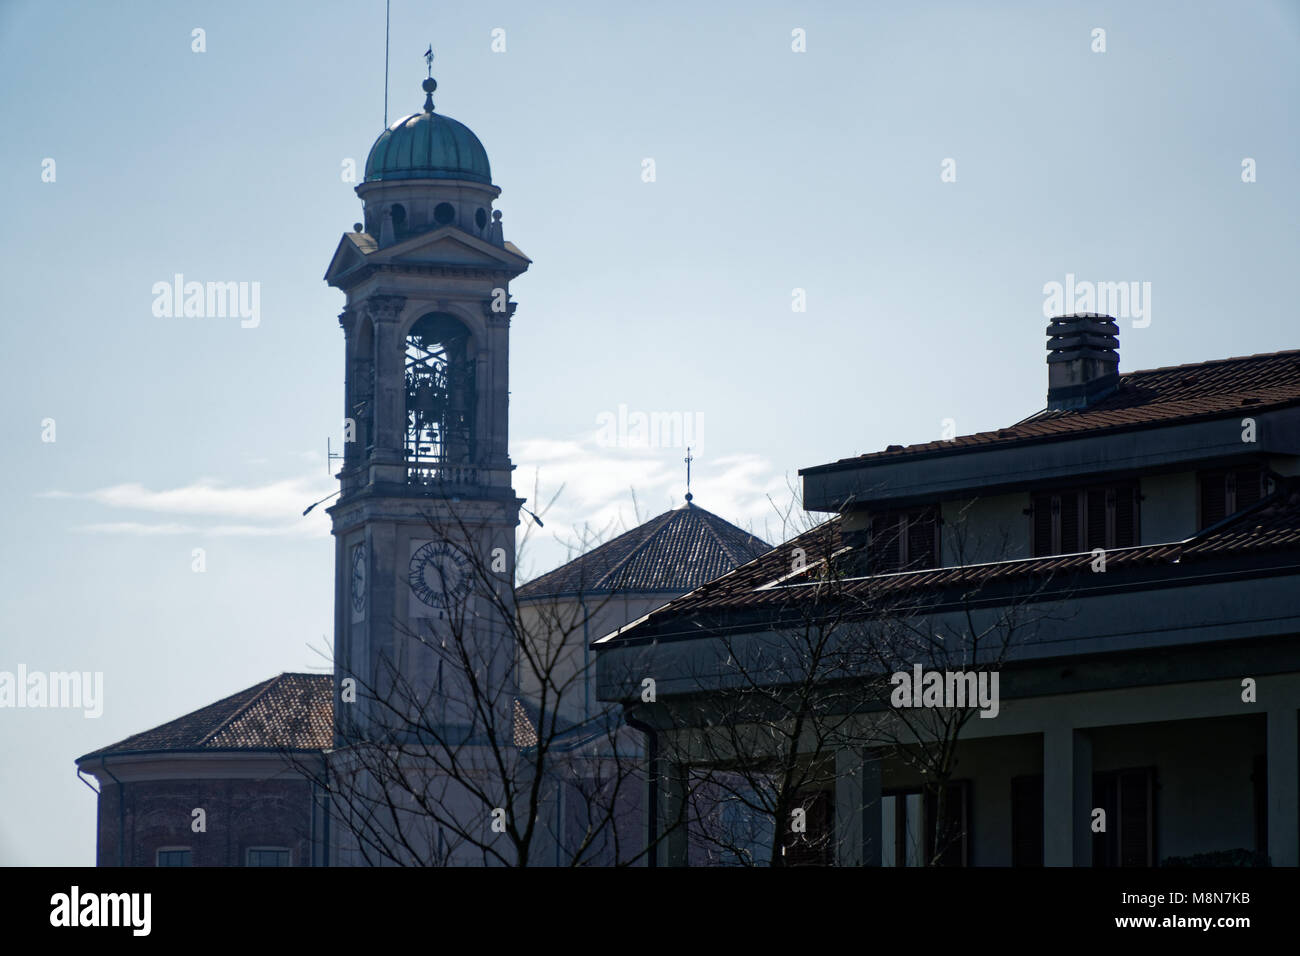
(358, 566)
(439, 575)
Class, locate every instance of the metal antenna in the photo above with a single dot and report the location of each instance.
(388, 6)
(688, 459)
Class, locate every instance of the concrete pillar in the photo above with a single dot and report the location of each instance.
(673, 845)
(857, 807)
(1283, 787)
(1067, 797)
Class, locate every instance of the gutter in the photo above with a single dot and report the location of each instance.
(121, 811)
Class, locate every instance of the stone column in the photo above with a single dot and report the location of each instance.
(1283, 787)
(494, 437)
(388, 463)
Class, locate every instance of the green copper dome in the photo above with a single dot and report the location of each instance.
(428, 146)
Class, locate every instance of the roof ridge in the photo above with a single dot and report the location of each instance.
(265, 686)
(1235, 358)
(586, 556)
(662, 520)
(736, 559)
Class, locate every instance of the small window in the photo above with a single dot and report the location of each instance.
(268, 856)
(1081, 519)
(903, 541)
(815, 846)
(908, 835)
(444, 213)
(901, 829)
(175, 856)
(1227, 491)
(1027, 820)
(480, 219)
(399, 222)
(1128, 797)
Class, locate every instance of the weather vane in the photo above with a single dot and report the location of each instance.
(688, 459)
(429, 84)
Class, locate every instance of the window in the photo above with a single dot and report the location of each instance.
(175, 856)
(1228, 491)
(1128, 797)
(908, 836)
(1081, 519)
(1027, 820)
(480, 219)
(268, 856)
(815, 846)
(399, 222)
(1259, 793)
(444, 213)
(903, 541)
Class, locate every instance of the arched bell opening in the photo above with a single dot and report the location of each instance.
(441, 401)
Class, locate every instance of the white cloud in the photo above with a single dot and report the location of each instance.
(136, 528)
(599, 482)
(270, 509)
(210, 498)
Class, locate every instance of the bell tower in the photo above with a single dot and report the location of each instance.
(424, 526)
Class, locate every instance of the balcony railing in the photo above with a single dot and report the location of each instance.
(435, 478)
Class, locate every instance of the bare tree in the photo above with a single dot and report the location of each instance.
(460, 746)
(816, 673)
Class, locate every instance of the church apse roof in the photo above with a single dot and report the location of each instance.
(287, 712)
(677, 551)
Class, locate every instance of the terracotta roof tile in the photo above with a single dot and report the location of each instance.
(1271, 525)
(1151, 397)
(288, 712)
(677, 551)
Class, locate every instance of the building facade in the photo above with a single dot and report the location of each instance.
(1121, 569)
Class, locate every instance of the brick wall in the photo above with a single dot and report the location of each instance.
(240, 814)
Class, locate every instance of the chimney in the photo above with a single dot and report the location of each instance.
(1082, 361)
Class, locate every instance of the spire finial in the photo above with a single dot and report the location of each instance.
(430, 84)
(688, 459)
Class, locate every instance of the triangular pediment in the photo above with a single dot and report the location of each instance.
(449, 245)
(445, 246)
(350, 254)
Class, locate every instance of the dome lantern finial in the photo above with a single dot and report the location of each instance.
(688, 459)
(430, 84)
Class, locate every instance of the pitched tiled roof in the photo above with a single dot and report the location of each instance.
(288, 712)
(677, 551)
(1156, 396)
(1272, 525)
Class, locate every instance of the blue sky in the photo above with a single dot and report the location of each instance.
(775, 171)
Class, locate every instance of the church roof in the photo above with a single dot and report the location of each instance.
(428, 146)
(287, 712)
(677, 551)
